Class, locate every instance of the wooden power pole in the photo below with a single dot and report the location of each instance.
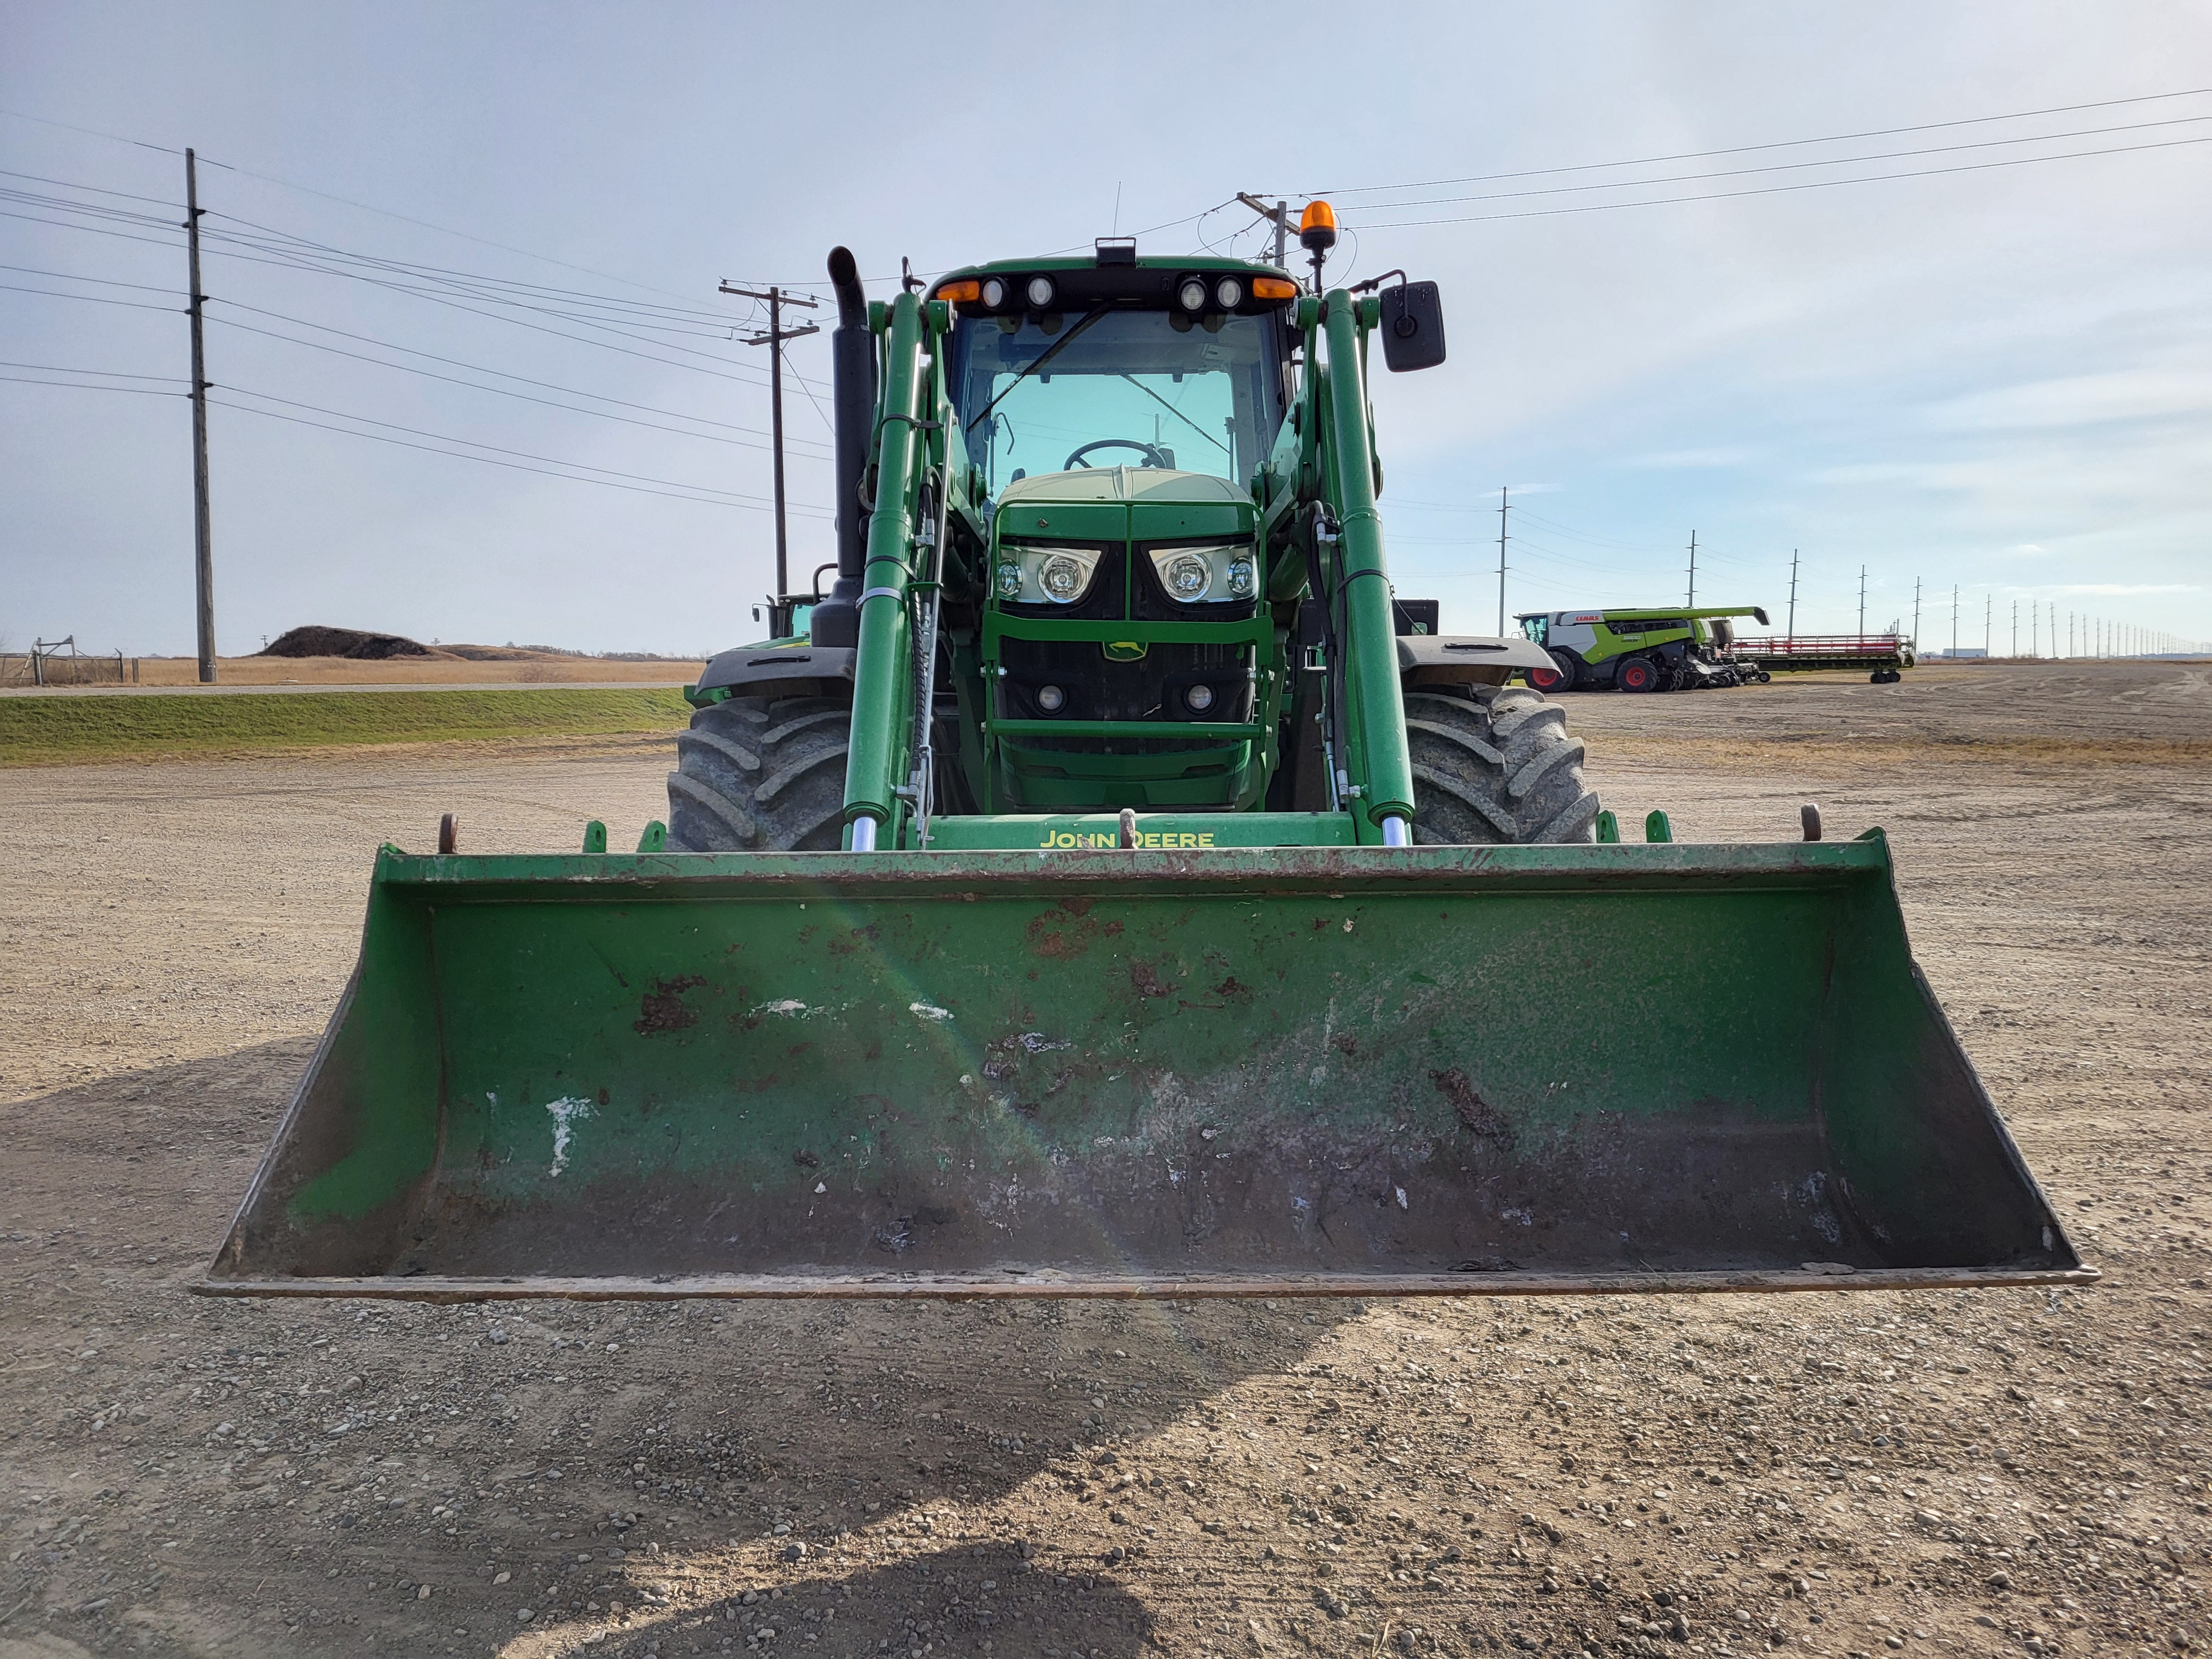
(774, 339)
(203, 526)
(1504, 501)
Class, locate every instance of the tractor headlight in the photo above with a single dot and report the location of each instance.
(1228, 293)
(1046, 575)
(1200, 697)
(1051, 699)
(1217, 574)
(1063, 579)
(1192, 295)
(995, 293)
(1040, 292)
(1188, 576)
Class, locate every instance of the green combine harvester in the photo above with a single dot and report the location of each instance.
(1116, 890)
(1640, 650)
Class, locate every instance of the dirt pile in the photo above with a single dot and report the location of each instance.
(317, 641)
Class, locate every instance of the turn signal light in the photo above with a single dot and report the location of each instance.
(967, 291)
(1274, 287)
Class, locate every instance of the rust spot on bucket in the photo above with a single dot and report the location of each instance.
(662, 1008)
(1147, 982)
(1477, 1114)
(1067, 930)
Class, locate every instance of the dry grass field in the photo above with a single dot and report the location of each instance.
(542, 669)
(1841, 1473)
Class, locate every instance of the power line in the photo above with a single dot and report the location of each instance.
(109, 373)
(443, 230)
(104, 282)
(497, 449)
(503, 391)
(88, 299)
(77, 386)
(487, 460)
(436, 298)
(1788, 166)
(1781, 144)
(68, 126)
(97, 190)
(1784, 190)
(312, 255)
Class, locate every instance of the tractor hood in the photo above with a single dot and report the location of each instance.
(1118, 503)
(1122, 484)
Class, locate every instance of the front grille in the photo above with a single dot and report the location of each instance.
(1097, 688)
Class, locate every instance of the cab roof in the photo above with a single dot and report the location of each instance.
(1118, 275)
(1211, 264)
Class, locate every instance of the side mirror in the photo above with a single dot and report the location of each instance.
(1412, 327)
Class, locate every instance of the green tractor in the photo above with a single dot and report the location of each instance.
(1641, 650)
(1116, 890)
(1129, 602)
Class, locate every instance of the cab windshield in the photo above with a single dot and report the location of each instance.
(1133, 388)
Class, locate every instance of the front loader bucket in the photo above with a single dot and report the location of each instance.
(1325, 1071)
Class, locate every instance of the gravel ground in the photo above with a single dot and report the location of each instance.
(1979, 1472)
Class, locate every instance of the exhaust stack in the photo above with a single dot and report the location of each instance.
(836, 620)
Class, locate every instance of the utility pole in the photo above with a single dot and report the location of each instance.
(1502, 503)
(2034, 617)
(1279, 217)
(202, 526)
(1861, 601)
(1793, 594)
(774, 339)
(1916, 613)
(1955, 619)
(2015, 628)
(1989, 612)
(1693, 570)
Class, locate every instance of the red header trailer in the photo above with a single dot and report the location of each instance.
(1885, 656)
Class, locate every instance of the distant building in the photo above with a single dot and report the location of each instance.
(1964, 651)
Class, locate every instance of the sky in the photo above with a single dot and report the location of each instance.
(1668, 310)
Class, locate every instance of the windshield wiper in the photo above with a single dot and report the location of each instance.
(1177, 413)
(1040, 361)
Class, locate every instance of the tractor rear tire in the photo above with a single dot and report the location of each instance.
(760, 774)
(1496, 769)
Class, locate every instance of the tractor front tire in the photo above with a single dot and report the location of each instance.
(1496, 770)
(760, 774)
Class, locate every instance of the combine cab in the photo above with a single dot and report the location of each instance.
(1110, 887)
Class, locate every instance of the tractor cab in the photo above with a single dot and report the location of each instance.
(1114, 416)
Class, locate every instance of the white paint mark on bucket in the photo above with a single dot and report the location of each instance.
(787, 1007)
(565, 1113)
(1400, 1192)
(928, 1012)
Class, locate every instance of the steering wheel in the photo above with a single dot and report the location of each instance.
(1154, 456)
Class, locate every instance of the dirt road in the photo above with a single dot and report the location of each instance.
(1848, 1473)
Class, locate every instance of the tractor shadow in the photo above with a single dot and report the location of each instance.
(917, 1450)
